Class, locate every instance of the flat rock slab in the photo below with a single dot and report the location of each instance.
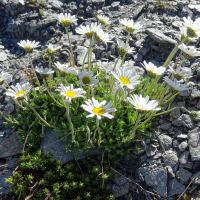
(174, 187)
(3, 56)
(11, 146)
(159, 36)
(157, 178)
(51, 143)
(194, 144)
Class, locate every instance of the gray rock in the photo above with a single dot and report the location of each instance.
(9, 108)
(142, 171)
(170, 158)
(183, 145)
(184, 157)
(158, 36)
(151, 150)
(184, 93)
(186, 121)
(137, 57)
(175, 113)
(195, 195)
(157, 178)
(175, 143)
(115, 4)
(137, 11)
(12, 146)
(119, 191)
(56, 4)
(81, 51)
(182, 136)
(194, 144)
(165, 126)
(170, 172)
(166, 141)
(197, 179)
(120, 180)
(58, 148)
(198, 105)
(3, 56)
(176, 122)
(174, 187)
(183, 174)
(195, 93)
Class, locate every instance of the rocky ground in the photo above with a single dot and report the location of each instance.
(172, 154)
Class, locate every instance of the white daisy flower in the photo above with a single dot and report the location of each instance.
(197, 7)
(52, 49)
(180, 73)
(130, 25)
(124, 48)
(4, 76)
(98, 109)
(86, 78)
(189, 52)
(28, 45)
(103, 19)
(65, 69)
(143, 104)
(176, 86)
(88, 30)
(183, 31)
(70, 93)
(66, 19)
(195, 115)
(21, 1)
(127, 78)
(44, 71)
(19, 91)
(193, 28)
(101, 36)
(152, 70)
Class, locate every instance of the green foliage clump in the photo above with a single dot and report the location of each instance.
(39, 176)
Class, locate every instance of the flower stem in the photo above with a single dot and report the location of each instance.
(70, 47)
(192, 73)
(148, 79)
(8, 119)
(69, 118)
(122, 60)
(98, 128)
(50, 68)
(128, 36)
(170, 98)
(29, 56)
(84, 59)
(135, 128)
(152, 85)
(165, 112)
(90, 45)
(38, 115)
(116, 94)
(146, 119)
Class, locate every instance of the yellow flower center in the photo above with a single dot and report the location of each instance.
(124, 80)
(191, 32)
(138, 106)
(122, 51)
(1, 81)
(178, 76)
(151, 74)
(89, 34)
(98, 110)
(102, 21)
(21, 93)
(70, 93)
(28, 49)
(66, 23)
(129, 29)
(86, 80)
